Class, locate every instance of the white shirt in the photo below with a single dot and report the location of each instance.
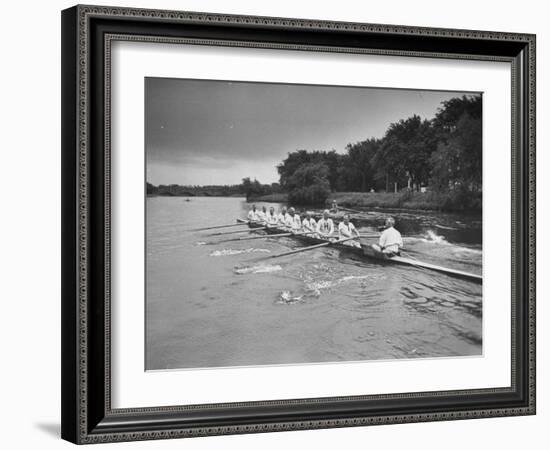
(272, 219)
(390, 240)
(309, 224)
(261, 216)
(346, 230)
(325, 226)
(253, 215)
(293, 222)
(282, 218)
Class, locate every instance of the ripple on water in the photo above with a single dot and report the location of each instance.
(231, 252)
(262, 268)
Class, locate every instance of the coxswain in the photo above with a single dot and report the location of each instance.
(325, 225)
(346, 229)
(309, 225)
(334, 207)
(390, 240)
(293, 221)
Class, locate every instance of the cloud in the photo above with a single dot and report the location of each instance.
(231, 129)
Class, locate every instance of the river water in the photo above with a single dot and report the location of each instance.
(214, 304)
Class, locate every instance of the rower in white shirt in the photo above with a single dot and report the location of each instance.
(390, 240)
(253, 214)
(309, 225)
(293, 221)
(346, 230)
(271, 218)
(325, 226)
(262, 215)
(281, 217)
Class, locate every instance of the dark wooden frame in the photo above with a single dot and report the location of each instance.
(87, 32)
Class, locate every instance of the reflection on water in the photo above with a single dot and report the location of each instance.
(215, 304)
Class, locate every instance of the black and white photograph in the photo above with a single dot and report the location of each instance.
(300, 224)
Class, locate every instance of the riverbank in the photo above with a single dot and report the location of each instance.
(448, 201)
(426, 201)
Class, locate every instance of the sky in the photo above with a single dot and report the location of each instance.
(201, 132)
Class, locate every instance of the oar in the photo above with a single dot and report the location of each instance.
(222, 233)
(221, 226)
(305, 249)
(350, 210)
(263, 236)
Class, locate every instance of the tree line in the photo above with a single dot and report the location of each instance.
(442, 154)
(248, 188)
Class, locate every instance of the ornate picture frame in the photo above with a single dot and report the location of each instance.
(88, 33)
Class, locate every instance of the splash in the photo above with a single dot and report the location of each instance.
(434, 238)
(200, 243)
(258, 269)
(316, 287)
(231, 252)
(286, 298)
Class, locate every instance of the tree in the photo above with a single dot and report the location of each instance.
(357, 171)
(457, 161)
(405, 151)
(252, 188)
(451, 111)
(309, 184)
(296, 159)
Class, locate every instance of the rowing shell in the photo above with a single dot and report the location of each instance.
(366, 251)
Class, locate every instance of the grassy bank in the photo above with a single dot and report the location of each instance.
(451, 201)
(428, 201)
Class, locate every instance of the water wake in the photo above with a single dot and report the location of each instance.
(258, 269)
(316, 287)
(286, 298)
(231, 252)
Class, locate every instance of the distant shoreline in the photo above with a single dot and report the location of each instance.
(195, 195)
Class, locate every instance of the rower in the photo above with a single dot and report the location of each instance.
(325, 226)
(293, 221)
(262, 215)
(282, 216)
(334, 207)
(271, 218)
(253, 214)
(346, 230)
(309, 225)
(390, 240)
